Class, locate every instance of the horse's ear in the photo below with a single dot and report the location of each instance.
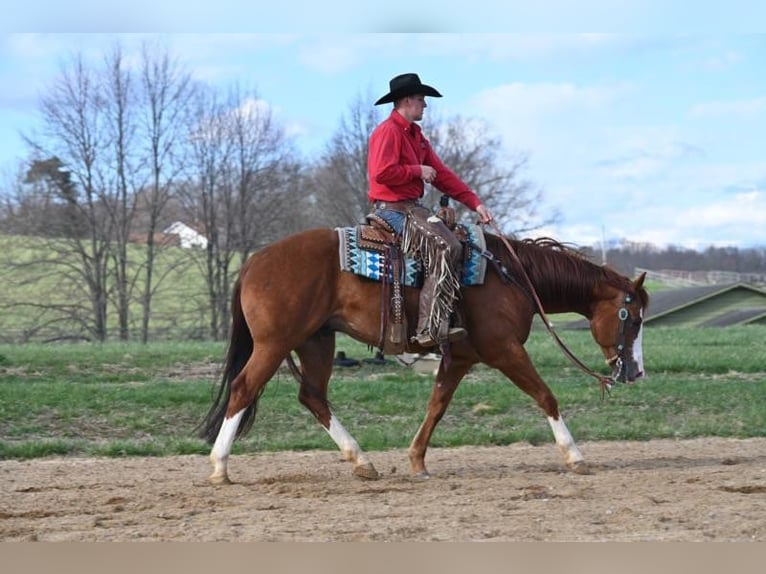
(639, 282)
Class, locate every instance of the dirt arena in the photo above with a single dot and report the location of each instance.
(692, 490)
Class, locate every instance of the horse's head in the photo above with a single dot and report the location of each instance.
(615, 323)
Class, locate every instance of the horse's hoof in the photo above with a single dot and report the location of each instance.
(366, 471)
(421, 476)
(219, 479)
(580, 467)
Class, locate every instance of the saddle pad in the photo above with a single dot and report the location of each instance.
(372, 264)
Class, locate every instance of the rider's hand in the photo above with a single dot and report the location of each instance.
(484, 213)
(427, 173)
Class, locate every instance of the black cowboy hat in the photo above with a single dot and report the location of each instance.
(407, 85)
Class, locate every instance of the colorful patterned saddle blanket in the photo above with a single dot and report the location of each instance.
(363, 251)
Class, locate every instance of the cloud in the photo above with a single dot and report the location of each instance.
(578, 234)
(256, 107)
(329, 57)
(732, 108)
(739, 220)
(723, 61)
(650, 158)
(601, 163)
(34, 49)
(546, 98)
(514, 47)
(693, 204)
(547, 117)
(338, 52)
(28, 46)
(259, 109)
(747, 209)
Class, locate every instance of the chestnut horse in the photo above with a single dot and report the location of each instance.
(293, 296)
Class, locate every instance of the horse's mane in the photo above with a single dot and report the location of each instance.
(559, 270)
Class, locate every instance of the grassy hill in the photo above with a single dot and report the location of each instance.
(39, 296)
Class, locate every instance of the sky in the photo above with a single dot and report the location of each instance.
(651, 136)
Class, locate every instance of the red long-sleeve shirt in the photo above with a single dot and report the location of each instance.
(396, 152)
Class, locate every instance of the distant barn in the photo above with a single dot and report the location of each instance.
(704, 306)
(177, 234)
(187, 236)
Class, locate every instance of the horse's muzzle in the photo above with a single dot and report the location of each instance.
(626, 371)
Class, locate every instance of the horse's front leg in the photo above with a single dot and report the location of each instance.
(572, 455)
(517, 366)
(444, 387)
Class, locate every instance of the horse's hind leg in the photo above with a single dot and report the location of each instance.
(316, 358)
(246, 388)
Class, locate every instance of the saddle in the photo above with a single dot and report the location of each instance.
(385, 261)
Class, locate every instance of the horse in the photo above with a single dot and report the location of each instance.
(292, 296)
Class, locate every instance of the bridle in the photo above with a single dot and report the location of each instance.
(617, 361)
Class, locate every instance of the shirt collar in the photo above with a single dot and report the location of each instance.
(400, 121)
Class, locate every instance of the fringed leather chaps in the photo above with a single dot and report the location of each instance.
(427, 236)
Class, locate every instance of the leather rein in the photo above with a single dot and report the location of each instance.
(605, 382)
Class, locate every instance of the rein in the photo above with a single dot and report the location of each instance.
(604, 381)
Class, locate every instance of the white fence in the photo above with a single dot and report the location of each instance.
(695, 278)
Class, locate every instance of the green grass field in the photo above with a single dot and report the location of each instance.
(127, 399)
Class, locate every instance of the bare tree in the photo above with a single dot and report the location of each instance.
(241, 183)
(201, 192)
(263, 170)
(120, 169)
(166, 92)
(73, 142)
(340, 174)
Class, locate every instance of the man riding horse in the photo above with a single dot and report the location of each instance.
(400, 162)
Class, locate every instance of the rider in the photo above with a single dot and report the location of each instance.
(400, 160)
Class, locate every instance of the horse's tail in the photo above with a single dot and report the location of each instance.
(237, 355)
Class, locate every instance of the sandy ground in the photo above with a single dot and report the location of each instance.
(694, 490)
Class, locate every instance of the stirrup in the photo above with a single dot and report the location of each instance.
(456, 334)
(424, 338)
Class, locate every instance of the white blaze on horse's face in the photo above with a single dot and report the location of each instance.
(638, 351)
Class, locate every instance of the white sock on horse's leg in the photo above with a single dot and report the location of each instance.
(346, 443)
(219, 455)
(565, 442)
(363, 468)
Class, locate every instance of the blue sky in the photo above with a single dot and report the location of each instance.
(654, 137)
